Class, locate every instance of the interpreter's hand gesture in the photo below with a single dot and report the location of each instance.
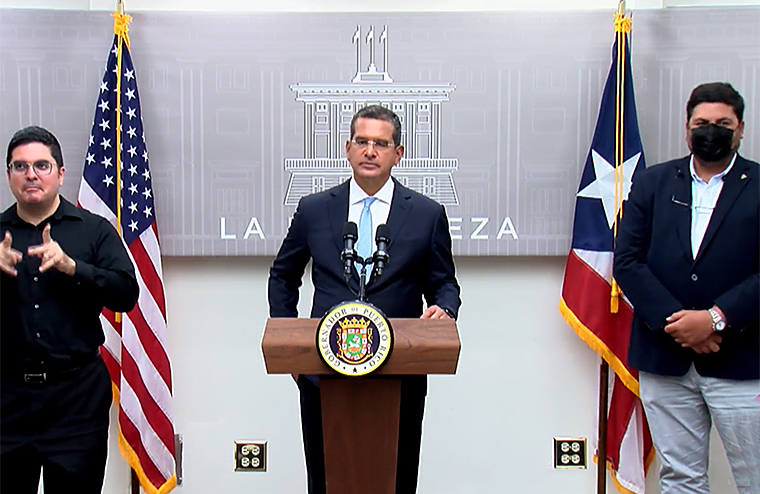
(51, 254)
(9, 256)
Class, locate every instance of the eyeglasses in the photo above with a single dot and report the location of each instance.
(41, 168)
(380, 145)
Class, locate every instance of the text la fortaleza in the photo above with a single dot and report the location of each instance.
(474, 228)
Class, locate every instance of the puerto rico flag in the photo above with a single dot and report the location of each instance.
(591, 302)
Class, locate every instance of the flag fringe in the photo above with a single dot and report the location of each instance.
(134, 462)
(596, 344)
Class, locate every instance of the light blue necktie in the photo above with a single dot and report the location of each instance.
(364, 243)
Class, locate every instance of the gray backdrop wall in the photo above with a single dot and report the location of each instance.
(246, 113)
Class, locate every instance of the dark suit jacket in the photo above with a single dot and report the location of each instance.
(656, 270)
(421, 262)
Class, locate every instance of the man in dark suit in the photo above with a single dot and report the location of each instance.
(421, 266)
(688, 258)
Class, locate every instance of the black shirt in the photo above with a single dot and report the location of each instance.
(51, 320)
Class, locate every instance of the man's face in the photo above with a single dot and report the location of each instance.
(719, 114)
(29, 188)
(371, 162)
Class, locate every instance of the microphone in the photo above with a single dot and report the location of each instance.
(382, 239)
(348, 255)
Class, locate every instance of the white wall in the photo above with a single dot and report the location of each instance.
(524, 377)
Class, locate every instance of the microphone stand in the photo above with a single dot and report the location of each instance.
(378, 256)
(362, 278)
(349, 256)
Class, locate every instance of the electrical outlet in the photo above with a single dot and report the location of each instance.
(570, 453)
(250, 456)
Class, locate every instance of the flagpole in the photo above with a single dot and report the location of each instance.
(601, 455)
(134, 479)
(604, 368)
(135, 482)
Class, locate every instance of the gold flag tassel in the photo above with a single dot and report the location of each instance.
(615, 297)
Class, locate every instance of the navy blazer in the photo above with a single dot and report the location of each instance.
(656, 270)
(421, 263)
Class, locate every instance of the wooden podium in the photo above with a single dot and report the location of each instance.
(360, 415)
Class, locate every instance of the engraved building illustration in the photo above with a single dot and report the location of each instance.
(329, 107)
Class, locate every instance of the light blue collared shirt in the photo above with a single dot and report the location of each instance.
(704, 196)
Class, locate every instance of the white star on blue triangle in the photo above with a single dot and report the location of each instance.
(604, 186)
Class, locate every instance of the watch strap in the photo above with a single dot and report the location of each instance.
(719, 324)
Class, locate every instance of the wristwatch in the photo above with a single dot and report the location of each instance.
(718, 323)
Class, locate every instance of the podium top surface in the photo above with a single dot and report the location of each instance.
(422, 346)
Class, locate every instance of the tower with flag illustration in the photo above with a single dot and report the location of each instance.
(116, 184)
(591, 302)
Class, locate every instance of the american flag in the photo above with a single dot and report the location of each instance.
(135, 350)
(601, 319)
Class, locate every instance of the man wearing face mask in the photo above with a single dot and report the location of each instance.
(688, 258)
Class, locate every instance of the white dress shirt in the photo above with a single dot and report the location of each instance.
(379, 209)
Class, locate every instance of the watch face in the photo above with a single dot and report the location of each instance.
(720, 326)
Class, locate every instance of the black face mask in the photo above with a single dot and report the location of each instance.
(711, 143)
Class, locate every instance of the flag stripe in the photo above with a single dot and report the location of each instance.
(132, 436)
(621, 411)
(599, 261)
(150, 278)
(91, 201)
(111, 349)
(112, 332)
(150, 244)
(112, 364)
(160, 389)
(148, 306)
(153, 414)
(610, 337)
(153, 349)
(154, 447)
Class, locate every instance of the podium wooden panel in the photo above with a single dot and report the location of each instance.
(360, 415)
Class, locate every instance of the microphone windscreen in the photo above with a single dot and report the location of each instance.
(384, 232)
(350, 230)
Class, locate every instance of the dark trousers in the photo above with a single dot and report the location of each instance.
(413, 391)
(59, 426)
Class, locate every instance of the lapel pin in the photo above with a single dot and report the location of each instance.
(744, 175)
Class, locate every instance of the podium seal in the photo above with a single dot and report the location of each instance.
(354, 338)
